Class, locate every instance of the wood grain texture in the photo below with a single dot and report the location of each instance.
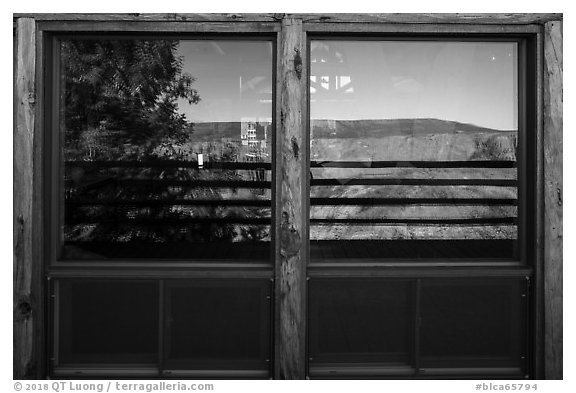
(160, 17)
(456, 18)
(159, 27)
(419, 28)
(290, 270)
(553, 98)
(537, 249)
(24, 300)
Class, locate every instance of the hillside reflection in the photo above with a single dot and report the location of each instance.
(143, 181)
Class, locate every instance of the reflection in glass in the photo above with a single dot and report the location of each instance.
(166, 149)
(413, 149)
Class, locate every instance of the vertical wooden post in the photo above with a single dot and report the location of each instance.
(553, 335)
(25, 300)
(291, 260)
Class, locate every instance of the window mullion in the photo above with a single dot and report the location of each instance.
(291, 198)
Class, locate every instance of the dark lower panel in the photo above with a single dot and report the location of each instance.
(453, 328)
(107, 322)
(473, 323)
(217, 325)
(175, 328)
(358, 324)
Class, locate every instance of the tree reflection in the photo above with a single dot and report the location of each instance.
(132, 170)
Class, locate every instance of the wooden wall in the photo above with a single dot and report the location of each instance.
(290, 166)
(553, 200)
(25, 302)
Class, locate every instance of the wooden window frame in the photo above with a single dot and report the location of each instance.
(31, 295)
(529, 264)
(53, 142)
(155, 269)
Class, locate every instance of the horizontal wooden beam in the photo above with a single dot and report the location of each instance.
(163, 183)
(456, 18)
(413, 164)
(414, 182)
(111, 203)
(170, 222)
(421, 29)
(169, 164)
(424, 18)
(415, 221)
(412, 201)
(313, 201)
(268, 166)
(313, 221)
(153, 17)
(157, 183)
(162, 27)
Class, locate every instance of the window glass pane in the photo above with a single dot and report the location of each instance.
(166, 148)
(360, 322)
(473, 323)
(413, 149)
(218, 325)
(107, 321)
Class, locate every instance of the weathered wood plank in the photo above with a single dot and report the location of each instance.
(553, 99)
(172, 202)
(413, 182)
(160, 26)
(176, 222)
(457, 18)
(334, 201)
(163, 164)
(413, 164)
(290, 269)
(24, 300)
(156, 17)
(420, 28)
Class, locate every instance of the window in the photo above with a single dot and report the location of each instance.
(162, 168)
(286, 197)
(165, 149)
(417, 198)
(414, 149)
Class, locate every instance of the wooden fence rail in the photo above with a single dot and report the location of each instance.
(128, 185)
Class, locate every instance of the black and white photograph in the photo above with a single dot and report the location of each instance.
(288, 196)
